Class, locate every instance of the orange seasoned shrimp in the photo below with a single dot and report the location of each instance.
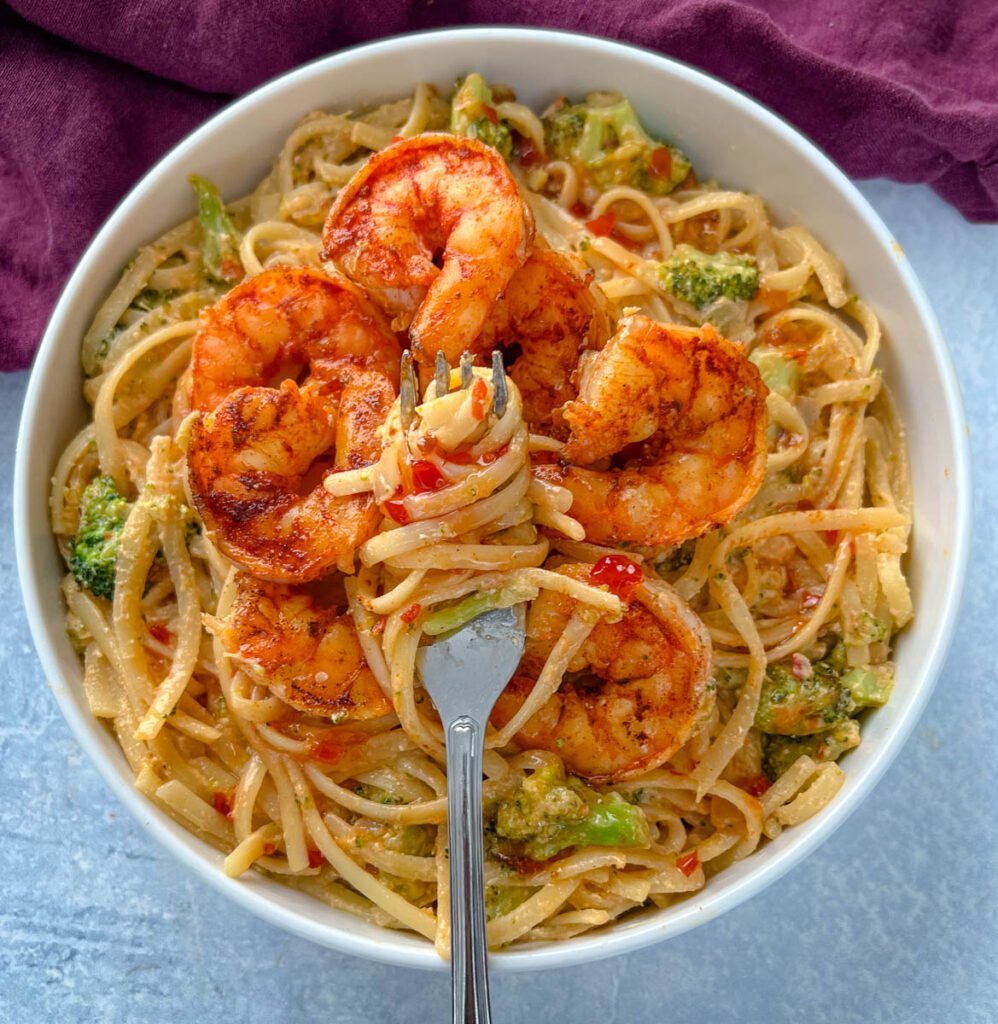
(281, 323)
(553, 312)
(433, 228)
(255, 466)
(636, 686)
(683, 412)
(305, 651)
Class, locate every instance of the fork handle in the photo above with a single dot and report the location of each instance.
(469, 967)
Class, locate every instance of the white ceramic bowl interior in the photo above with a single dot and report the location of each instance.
(728, 137)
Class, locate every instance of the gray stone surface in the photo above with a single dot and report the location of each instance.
(893, 920)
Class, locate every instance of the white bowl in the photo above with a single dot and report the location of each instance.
(728, 136)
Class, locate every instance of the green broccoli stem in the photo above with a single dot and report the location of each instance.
(452, 617)
(220, 245)
(612, 821)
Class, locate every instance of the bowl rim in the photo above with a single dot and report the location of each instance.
(707, 904)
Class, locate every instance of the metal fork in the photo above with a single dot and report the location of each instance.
(464, 673)
(409, 389)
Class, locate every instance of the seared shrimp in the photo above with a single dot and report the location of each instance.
(281, 323)
(433, 228)
(632, 695)
(553, 312)
(306, 652)
(684, 411)
(255, 466)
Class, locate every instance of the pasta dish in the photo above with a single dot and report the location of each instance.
(454, 355)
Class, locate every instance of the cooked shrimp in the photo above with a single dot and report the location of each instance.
(685, 412)
(281, 323)
(306, 652)
(433, 228)
(255, 466)
(553, 312)
(632, 695)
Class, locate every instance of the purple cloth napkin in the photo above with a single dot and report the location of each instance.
(91, 94)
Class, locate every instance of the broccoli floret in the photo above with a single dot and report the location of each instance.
(793, 706)
(700, 278)
(780, 752)
(474, 115)
(551, 812)
(94, 551)
(604, 138)
(220, 243)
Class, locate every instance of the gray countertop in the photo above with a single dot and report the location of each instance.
(894, 919)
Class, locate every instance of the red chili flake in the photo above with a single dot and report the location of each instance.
(661, 163)
(800, 666)
(220, 801)
(378, 628)
(831, 536)
(603, 225)
(490, 113)
(757, 786)
(479, 392)
(327, 750)
(810, 598)
(397, 511)
(579, 210)
(316, 859)
(160, 633)
(688, 862)
(269, 848)
(489, 457)
(231, 268)
(619, 574)
(411, 613)
(426, 477)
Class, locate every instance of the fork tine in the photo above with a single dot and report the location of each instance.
(407, 391)
(500, 393)
(466, 375)
(442, 375)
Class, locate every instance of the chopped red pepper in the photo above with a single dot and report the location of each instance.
(327, 750)
(316, 859)
(603, 225)
(426, 477)
(688, 862)
(618, 574)
(220, 801)
(160, 633)
(397, 510)
(479, 392)
(579, 210)
(411, 613)
(757, 786)
(527, 153)
(490, 113)
(497, 453)
(661, 163)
